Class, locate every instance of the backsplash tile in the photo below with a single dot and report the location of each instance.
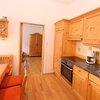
(81, 50)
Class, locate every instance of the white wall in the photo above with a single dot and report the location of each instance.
(40, 12)
(78, 7)
(27, 30)
(44, 12)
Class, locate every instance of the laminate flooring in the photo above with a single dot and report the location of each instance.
(35, 65)
(44, 87)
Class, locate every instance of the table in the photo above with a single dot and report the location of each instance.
(3, 71)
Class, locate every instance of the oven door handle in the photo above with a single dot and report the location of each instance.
(67, 67)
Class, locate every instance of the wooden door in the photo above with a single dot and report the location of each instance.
(35, 44)
(58, 51)
(93, 91)
(80, 86)
(92, 28)
(76, 28)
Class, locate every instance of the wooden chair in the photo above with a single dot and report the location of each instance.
(7, 59)
(10, 81)
(15, 92)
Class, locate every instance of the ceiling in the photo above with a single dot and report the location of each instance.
(63, 1)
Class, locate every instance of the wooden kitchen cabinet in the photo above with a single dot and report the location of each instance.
(62, 47)
(3, 28)
(93, 91)
(76, 28)
(80, 83)
(58, 48)
(93, 88)
(92, 28)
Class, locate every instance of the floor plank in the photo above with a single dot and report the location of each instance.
(35, 64)
(44, 87)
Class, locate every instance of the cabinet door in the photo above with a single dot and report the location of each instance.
(80, 86)
(76, 29)
(33, 45)
(57, 51)
(68, 47)
(39, 45)
(92, 28)
(93, 91)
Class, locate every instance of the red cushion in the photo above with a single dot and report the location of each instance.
(13, 93)
(10, 81)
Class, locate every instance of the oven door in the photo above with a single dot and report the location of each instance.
(67, 72)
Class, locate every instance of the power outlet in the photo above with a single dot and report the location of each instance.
(79, 49)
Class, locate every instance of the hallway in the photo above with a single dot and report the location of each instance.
(35, 65)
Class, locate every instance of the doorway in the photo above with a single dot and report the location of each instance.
(32, 47)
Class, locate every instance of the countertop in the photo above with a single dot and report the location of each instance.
(93, 69)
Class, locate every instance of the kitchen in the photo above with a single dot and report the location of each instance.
(67, 40)
(80, 74)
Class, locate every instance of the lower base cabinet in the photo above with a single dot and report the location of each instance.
(80, 83)
(93, 91)
(85, 86)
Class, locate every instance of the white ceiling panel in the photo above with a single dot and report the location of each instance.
(63, 1)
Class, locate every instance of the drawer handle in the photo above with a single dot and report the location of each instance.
(98, 41)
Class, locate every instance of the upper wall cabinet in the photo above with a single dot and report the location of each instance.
(76, 28)
(62, 25)
(3, 28)
(91, 34)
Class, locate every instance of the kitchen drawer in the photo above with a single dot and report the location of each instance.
(94, 79)
(81, 71)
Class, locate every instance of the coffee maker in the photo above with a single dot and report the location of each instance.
(90, 58)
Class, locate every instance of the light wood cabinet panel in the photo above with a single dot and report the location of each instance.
(62, 25)
(94, 79)
(62, 47)
(92, 28)
(80, 83)
(58, 48)
(76, 28)
(93, 91)
(93, 88)
(68, 47)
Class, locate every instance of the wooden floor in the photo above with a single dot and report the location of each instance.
(45, 87)
(35, 65)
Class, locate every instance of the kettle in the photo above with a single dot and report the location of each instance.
(90, 58)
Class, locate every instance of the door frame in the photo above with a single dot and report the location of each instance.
(20, 45)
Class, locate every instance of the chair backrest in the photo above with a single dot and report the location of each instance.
(8, 59)
(24, 75)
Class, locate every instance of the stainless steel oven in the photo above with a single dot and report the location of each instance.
(67, 69)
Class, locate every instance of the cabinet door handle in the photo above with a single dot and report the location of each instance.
(89, 84)
(79, 70)
(98, 41)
